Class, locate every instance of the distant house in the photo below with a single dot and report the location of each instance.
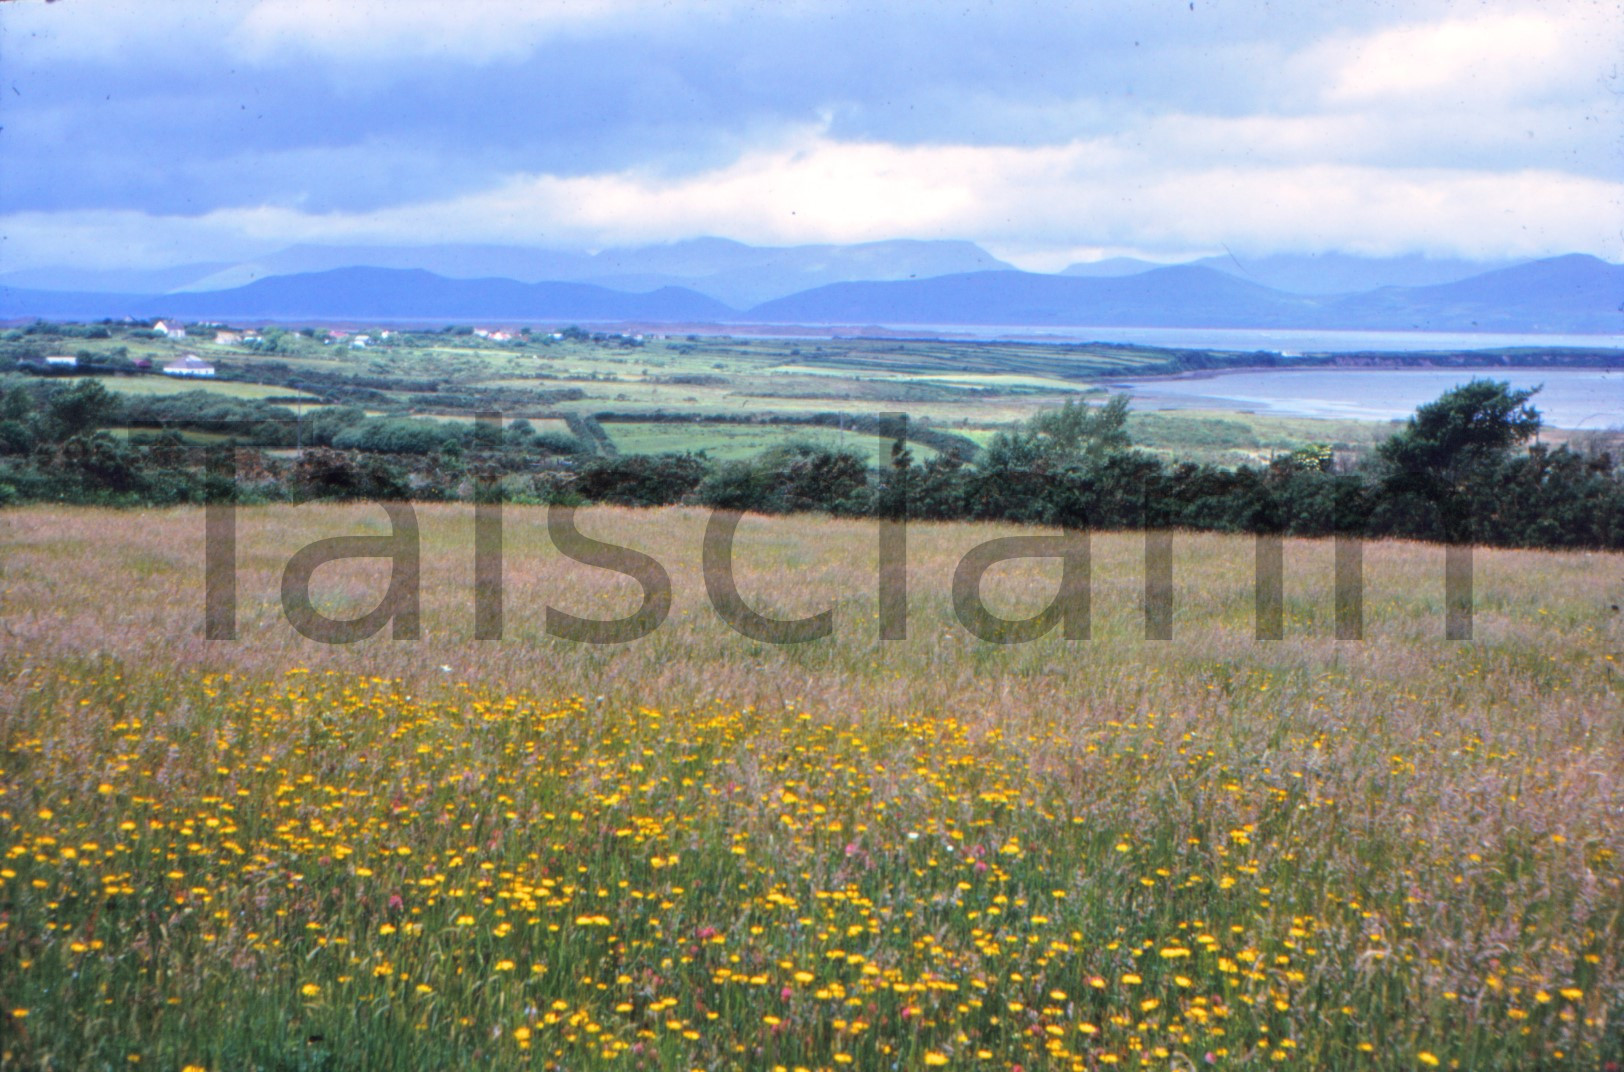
(190, 365)
(61, 361)
(228, 338)
(361, 342)
(173, 329)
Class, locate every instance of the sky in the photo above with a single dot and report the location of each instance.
(136, 133)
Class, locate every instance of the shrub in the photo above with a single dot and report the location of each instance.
(641, 479)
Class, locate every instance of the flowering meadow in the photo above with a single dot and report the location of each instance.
(697, 851)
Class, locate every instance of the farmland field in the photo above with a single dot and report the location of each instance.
(696, 850)
(737, 389)
(728, 441)
(169, 385)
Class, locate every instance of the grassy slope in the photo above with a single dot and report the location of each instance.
(923, 850)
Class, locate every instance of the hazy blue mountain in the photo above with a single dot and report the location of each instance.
(381, 294)
(732, 272)
(1573, 293)
(1179, 296)
(20, 303)
(1344, 273)
(1312, 273)
(461, 261)
(111, 280)
(1110, 267)
(1577, 294)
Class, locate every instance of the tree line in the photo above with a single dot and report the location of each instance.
(1464, 468)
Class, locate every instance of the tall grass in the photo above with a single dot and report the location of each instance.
(699, 851)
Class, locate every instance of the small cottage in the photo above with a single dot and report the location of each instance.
(190, 365)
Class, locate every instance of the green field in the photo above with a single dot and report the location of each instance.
(170, 385)
(732, 441)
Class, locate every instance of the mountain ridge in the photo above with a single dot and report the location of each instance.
(732, 272)
(1575, 293)
(384, 294)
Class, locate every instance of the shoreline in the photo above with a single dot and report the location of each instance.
(1336, 366)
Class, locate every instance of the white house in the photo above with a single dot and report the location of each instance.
(190, 365)
(173, 330)
(62, 361)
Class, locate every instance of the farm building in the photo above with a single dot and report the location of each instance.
(173, 329)
(190, 365)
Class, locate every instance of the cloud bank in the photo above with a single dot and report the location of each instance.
(142, 134)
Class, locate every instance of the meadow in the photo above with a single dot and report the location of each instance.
(701, 851)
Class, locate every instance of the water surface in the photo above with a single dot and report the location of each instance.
(1569, 398)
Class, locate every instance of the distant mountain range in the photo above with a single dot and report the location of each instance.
(1571, 294)
(736, 274)
(733, 273)
(380, 294)
(1342, 273)
(1312, 273)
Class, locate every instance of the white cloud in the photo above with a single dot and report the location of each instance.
(1380, 211)
(1494, 57)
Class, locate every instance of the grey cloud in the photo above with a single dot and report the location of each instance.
(171, 110)
(182, 124)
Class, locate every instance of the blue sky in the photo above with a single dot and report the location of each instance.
(142, 133)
